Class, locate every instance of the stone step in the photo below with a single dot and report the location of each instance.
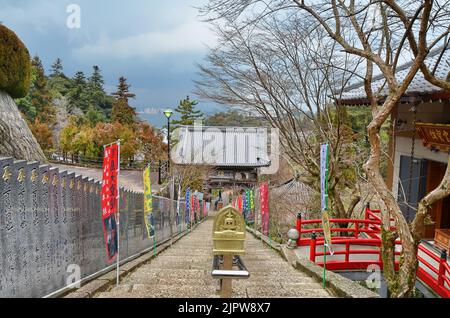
(184, 270)
(266, 292)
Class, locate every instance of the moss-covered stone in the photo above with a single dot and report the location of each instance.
(14, 64)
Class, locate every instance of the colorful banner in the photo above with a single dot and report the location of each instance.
(324, 165)
(109, 200)
(193, 209)
(244, 205)
(188, 206)
(250, 205)
(148, 203)
(264, 201)
(178, 205)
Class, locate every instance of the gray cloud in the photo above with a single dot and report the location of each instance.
(153, 43)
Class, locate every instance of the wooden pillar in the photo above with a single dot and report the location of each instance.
(227, 287)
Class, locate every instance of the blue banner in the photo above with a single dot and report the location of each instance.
(188, 202)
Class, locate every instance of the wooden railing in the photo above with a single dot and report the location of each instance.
(349, 242)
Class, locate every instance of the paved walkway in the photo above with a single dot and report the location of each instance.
(184, 270)
(130, 179)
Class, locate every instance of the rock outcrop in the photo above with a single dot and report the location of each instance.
(16, 139)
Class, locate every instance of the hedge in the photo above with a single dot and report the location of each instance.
(14, 64)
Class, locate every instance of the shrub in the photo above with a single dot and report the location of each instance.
(14, 64)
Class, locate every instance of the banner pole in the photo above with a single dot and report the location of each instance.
(154, 227)
(154, 244)
(324, 264)
(118, 212)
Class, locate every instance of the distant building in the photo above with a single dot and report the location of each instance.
(234, 153)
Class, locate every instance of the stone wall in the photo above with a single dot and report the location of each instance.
(50, 219)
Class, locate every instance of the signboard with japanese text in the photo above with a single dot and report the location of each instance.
(434, 135)
(110, 198)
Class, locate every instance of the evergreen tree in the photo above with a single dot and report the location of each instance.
(188, 113)
(123, 90)
(94, 116)
(58, 83)
(41, 98)
(123, 113)
(79, 79)
(96, 79)
(57, 68)
(97, 94)
(78, 96)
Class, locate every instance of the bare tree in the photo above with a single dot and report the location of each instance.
(382, 33)
(282, 70)
(190, 176)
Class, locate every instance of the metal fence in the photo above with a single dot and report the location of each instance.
(51, 223)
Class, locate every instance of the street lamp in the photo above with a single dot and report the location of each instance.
(168, 113)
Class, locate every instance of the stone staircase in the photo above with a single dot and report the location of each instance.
(184, 271)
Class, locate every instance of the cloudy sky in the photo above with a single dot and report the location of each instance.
(154, 43)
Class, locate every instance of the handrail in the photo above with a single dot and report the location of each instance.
(440, 283)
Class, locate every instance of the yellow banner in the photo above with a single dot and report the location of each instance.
(148, 208)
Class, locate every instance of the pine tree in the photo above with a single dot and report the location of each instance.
(58, 82)
(78, 95)
(94, 116)
(188, 113)
(96, 78)
(41, 98)
(123, 113)
(97, 94)
(123, 90)
(79, 79)
(57, 68)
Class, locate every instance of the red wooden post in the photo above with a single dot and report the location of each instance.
(298, 225)
(441, 274)
(312, 248)
(347, 252)
(356, 229)
(367, 214)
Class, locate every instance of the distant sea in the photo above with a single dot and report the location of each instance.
(156, 118)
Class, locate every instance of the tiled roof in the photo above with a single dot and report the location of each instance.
(356, 94)
(222, 146)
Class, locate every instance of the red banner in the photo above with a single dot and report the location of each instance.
(193, 211)
(240, 203)
(264, 202)
(110, 199)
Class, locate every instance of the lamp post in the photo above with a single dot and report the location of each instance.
(168, 113)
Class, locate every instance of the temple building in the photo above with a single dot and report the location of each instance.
(234, 155)
(419, 142)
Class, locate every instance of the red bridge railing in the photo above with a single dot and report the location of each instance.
(350, 247)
